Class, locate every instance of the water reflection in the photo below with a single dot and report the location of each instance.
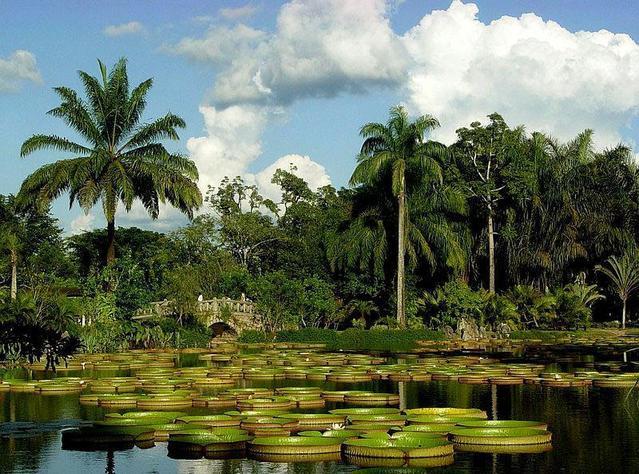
(594, 430)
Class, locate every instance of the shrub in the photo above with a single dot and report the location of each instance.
(500, 309)
(451, 302)
(571, 309)
(536, 309)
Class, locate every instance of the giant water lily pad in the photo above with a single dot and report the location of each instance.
(398, 448)
(500, 436)
(295, 445)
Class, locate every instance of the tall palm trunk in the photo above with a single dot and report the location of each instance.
(14, 274)
(491, 252)
(110, 255)
(401, 200)
(623, 315)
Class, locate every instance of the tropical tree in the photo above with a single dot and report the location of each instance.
(122, 158)
(483, 152)
(546, 210)
(243, 230)
(390, 156)
(623, 273)
(11, 244)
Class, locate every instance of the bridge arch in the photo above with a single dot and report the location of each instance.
(232, 316)
(221, 328)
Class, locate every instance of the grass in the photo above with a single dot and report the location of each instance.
(350, 339)
(549, 335)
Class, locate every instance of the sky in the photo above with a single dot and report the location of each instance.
(265, 84)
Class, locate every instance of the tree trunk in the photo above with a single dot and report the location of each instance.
(491, 253)
(14, 274)
(401, 314)
(110, 255)
(623, 315)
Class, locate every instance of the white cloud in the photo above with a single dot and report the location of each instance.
(82, 223)
(533, 72)
(312, 172)
(451, 64)
(130, 28)
(231, 144)
(239, 12)
(221, 44)
(20, 66)
(169, 218)
(320, 48)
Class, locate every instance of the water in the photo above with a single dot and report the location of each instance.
(594, 430)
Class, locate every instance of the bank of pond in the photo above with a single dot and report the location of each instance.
(439, 404)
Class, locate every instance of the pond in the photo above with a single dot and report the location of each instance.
(595, 428)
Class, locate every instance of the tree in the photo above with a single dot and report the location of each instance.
(10, 242)
(484, 151)
(122, 159)
(623, 273)
(278, 299)
(31, 243)
(243, 230)
(388, 153)
(544, 210)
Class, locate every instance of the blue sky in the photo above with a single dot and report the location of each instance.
(315, 116)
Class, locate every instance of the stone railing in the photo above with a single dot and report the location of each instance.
(238, 314)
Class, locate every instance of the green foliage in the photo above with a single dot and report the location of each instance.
(451, 302)
(190, 335)
(623, 273)
(328, 258)
(122, 158)
(534, 307)
(35, 327)
(252, 336)
(500, 309)
(358, 339)
(290, 302)
(104, 333)
(571, 311)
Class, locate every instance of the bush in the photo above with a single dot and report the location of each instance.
(191, 335)
(536, 309)
(572, 312)
(451, 302)
(500, 309)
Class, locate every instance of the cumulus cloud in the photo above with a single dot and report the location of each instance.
(221, 45)
(82, 223)
(320, 48)
(232, 144)
(450, 64)
(533, 72)
(303, 166)
(130, 28)
(239, 12)
(17, 68)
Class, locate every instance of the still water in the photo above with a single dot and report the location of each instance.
(595, 430)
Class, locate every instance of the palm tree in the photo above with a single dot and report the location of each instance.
(543, 233)
(11, 237)
(390, 154)
(122, 159)
(624, 274)
(10, 243)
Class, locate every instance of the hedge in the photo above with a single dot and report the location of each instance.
(349, 339)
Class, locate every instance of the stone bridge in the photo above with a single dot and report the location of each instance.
(220, 314)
